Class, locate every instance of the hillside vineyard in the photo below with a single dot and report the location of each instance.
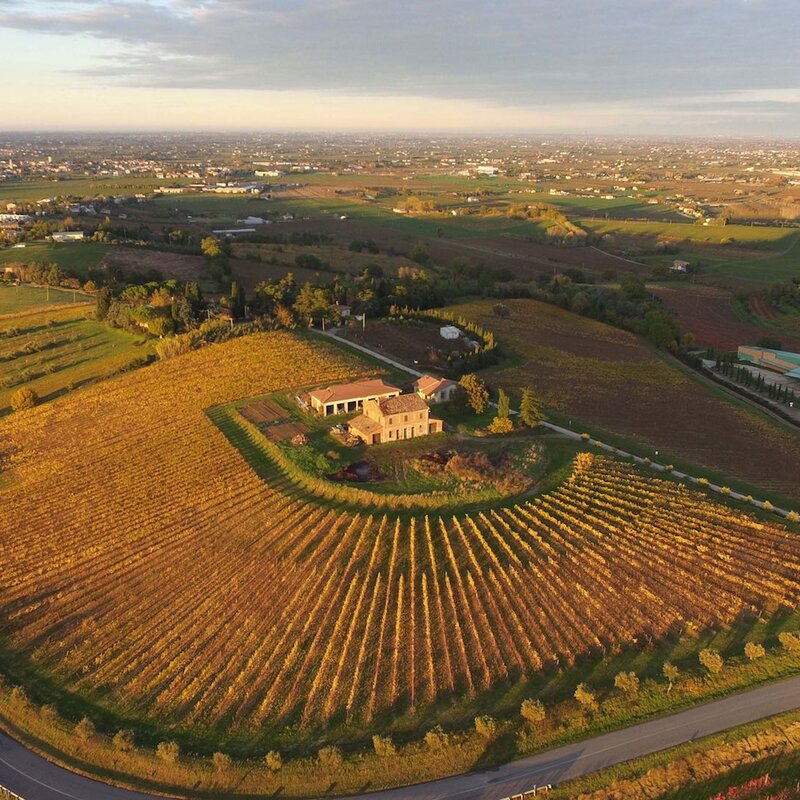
(147, 564)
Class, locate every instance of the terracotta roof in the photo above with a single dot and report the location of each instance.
(402, 404)
(363, 424)
(353, 391)
(429, 384)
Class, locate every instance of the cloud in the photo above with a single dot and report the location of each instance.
(635, 55)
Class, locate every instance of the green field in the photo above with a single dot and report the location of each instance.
(79, 186)
(14, 299)
(74, 257)
(618, 208)
(741, 269)
(423, 225)
(58, 350)
(771, 237)
(762, 269)
(215, 207)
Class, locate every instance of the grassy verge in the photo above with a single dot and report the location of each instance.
(698, 770)
(94, 752)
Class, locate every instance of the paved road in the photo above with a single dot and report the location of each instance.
(783, 512)
(34, 778)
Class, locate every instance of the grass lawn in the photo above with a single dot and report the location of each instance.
(59, 350)
(14, 299)
(74, 257)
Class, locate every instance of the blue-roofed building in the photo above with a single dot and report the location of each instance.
(781, 361)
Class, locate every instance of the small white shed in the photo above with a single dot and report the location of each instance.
(449, 332)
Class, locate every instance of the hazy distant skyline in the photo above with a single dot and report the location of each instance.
(717, 67)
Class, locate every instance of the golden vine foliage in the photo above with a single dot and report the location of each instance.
(147, 566)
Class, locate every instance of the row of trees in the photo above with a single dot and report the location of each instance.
(531, 411)
(779, 392)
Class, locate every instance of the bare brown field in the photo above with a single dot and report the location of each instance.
(263, 411)
(178, 266)
(609, 378)
(285, 430)
(708, 313)
(526, 259)
(413, 342)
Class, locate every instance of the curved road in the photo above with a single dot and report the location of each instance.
(34, 778)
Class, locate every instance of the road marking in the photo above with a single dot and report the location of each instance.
(41, 783)
(791, 692)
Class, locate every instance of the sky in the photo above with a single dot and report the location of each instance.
(671, 67)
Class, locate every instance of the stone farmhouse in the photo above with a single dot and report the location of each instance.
(394, 419)
(344, 398)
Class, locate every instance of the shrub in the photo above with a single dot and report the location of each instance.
(169, 752)
(501, 425)
(670, 672)
(586, 697)
(533, 710)
(123, 741)
(712, 661)
(49, 713)
(790, 642)
(627, 683)
(502, 311)
(19, 697)
(273, 761)
(486, 726)
(436, 739)
(330, 758)
(767, 506)
(85, 730)
(585, 437)
(24, 398)
(174, 346)
(793, 516)
(725, 490)
(384, 746)
(222, 762)
(754, 651)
